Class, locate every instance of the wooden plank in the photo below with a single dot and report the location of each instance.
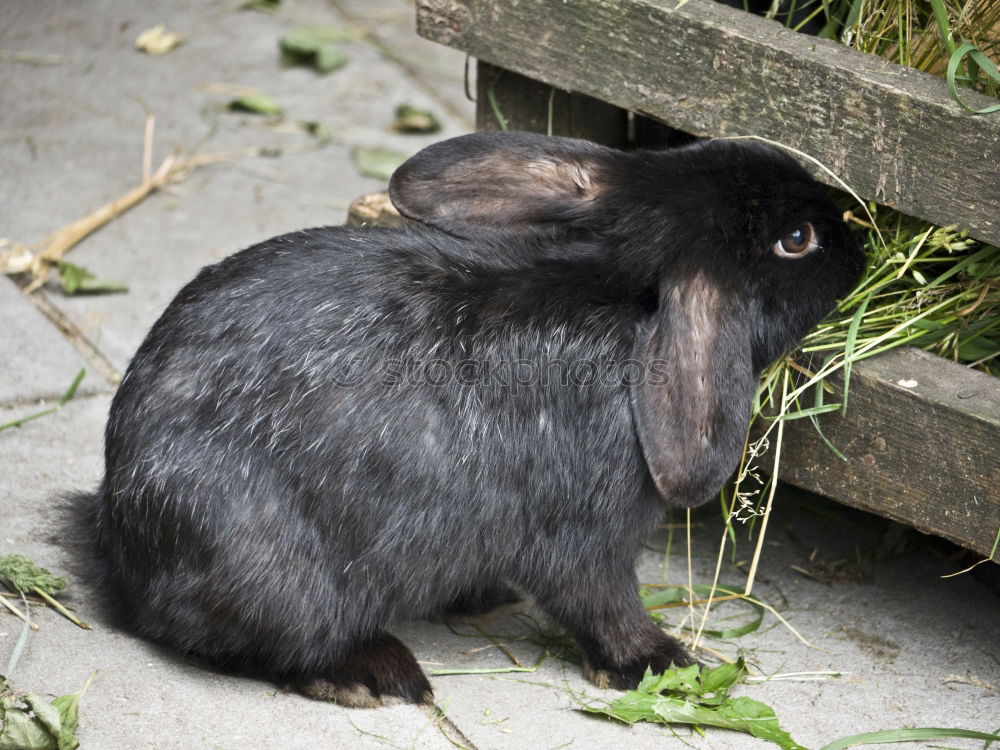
(893, 133)
(922, 441)
(526, 104)
(531, 105)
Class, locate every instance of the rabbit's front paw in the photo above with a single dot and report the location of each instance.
(667, 653)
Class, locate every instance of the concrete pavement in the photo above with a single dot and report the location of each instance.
(911, 648)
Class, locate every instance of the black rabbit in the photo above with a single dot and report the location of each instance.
(341, 427)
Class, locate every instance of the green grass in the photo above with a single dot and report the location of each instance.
(922, 34)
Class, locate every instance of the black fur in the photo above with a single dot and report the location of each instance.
(340, 427)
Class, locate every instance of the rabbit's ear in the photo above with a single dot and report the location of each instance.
(691, 404)
(512, 181)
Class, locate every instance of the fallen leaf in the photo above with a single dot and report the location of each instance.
(377, 162)
(698, 696)
(157, 40)
(265, 5)
(78, 280)
(258, 104)
(318, 130)
(31, 723)
(315, 47)
(412, 120)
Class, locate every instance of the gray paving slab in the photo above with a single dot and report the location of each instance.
(142, 697)
(439, 68)
(910, 648)
(36, 362)
(75, 139)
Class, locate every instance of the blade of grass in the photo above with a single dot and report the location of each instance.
(22, 640)
(492, 97)
(985, 64)
(825, 439)
(815, 423)
(67, 395)
(943, 25)
(852, 335)
(498, 670)
(812, 411)
(908, 735)
(71, 391)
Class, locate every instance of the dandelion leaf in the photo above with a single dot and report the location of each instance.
(29, 722)
(378, 163)
(78, 280)
(700, 697)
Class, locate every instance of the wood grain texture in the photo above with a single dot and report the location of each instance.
(530, 105)
(890, 132)
(922, 441)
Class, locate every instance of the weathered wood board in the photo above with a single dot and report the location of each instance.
(922, 442)
(530, 105)
(892, 133)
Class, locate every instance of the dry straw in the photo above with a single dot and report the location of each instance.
(39, 259)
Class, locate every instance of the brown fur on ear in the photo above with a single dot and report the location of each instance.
(510, 181)
(690, 408)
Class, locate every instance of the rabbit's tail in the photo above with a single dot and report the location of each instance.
(82, 514)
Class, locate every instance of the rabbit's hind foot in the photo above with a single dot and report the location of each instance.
(381, 672)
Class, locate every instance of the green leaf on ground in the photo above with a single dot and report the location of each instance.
(29, 722)
(377, 162)
(698, 696)
(264, 5)
(412, 120)
(78, 280)
(258, 104)
(318, 130)
(316, 47)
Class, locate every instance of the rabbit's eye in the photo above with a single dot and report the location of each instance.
(798, 242)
